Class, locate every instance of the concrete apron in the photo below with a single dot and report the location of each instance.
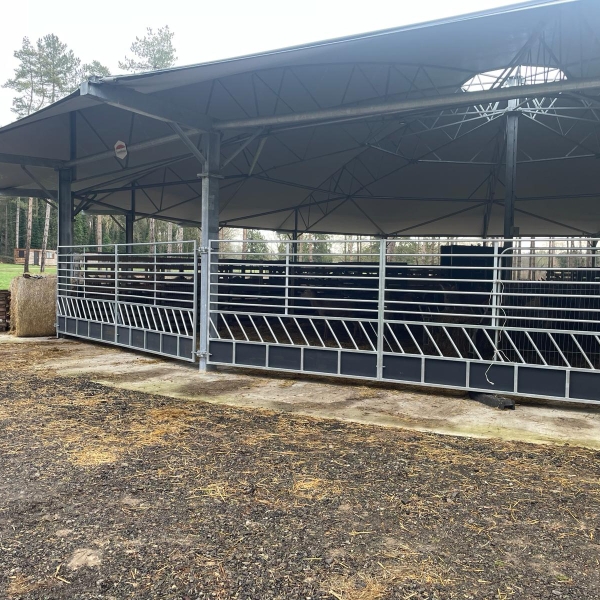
(409, 407)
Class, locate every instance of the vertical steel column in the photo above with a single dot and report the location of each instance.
(65, 208)
(512, 131)
(211, 148)
(129, 220)
(381, 306)
(496, 286)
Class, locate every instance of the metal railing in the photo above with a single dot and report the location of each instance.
(521, 317)
(141, 296)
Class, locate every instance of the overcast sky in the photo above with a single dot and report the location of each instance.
(204, 30)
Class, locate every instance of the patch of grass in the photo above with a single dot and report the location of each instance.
(9, 272)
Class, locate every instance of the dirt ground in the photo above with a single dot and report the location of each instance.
(114, 493)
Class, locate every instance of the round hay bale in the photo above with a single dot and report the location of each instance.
(33, 306)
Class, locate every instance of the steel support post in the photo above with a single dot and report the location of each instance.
(65, 230)
(129, 221)
(211, 149)
(381, 306)
(65, 208)
(512, 130)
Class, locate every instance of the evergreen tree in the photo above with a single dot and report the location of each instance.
(154, 51)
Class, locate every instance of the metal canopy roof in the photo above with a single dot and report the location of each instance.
(370, 134)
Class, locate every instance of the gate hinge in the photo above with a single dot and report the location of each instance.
(203, 249)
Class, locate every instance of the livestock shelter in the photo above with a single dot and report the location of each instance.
(466, 149)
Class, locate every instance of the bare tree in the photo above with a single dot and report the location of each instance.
(152, 231)
(179, 237)
(28, 235)
(17, 223)
(99, 232)
(169, 237)
(45, 238)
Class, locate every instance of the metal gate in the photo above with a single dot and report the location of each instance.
(141, 296)
(521, 317)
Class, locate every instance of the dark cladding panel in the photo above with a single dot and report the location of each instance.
(541, 382)
(221, 352)
(61, 323)
(108, 333)
(585, 386)
(445, 372)
(153, 341)
(123, 336)
(499, 378)
(170, 344)
(253, 355)
(96, 331)
(185, 347)
(137, 338)
(72, 326)
(402, 368)
(359, 364)
(282, 357)
(320, 361)
(82, 328)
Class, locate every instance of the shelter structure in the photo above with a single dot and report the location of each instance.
(482, 128)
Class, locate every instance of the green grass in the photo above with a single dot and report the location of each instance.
(9, 272)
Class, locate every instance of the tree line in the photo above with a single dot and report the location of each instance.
(47, 70)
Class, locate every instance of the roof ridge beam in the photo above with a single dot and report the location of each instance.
(146, 105)
(378, 108)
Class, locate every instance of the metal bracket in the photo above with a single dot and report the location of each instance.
(213, 175)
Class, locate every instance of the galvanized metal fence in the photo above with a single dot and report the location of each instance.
(140, 296)
(520, 317)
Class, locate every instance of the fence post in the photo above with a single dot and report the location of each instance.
(116, 291)
(287, 277)
(496, 283)
(195, 304)
(381, 306)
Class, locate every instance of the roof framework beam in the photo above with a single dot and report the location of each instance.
(146, 105)
(30, 161)
(373, 109)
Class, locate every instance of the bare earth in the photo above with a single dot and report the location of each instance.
(108, 492)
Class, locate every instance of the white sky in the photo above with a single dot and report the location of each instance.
(204, 29)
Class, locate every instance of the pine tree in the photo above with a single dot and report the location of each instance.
(153, 51)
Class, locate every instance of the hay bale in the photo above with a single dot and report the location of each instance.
(33, 306)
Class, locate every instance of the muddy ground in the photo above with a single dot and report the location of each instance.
(114, 493)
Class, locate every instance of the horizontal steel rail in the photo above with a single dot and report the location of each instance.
(520, 317)
(120, 295)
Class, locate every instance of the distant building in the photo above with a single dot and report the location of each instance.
(35, 257)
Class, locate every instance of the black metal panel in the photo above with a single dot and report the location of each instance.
(108, 333)
(137, 338)
(221, 352)
(251, 354)
(96, 331)
(123, 336)
(445, 372)
(320, 361)
(402, 368)
(153, 341)
(359, 364)
(585, 386)
(185, 347)
(542, 382)
(82, 328)
(71, 326)
(61, 323)
(170, 344)
(502, 377)
(281, 357)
